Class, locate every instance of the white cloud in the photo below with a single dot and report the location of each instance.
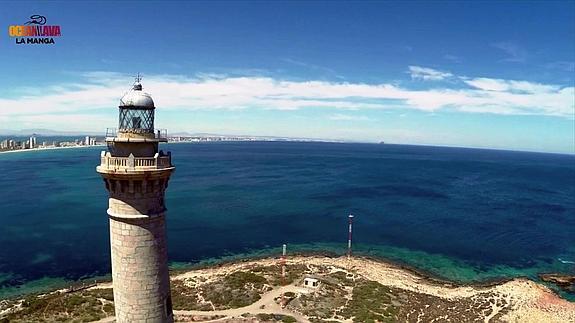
(499, 85)
(347, 117)
(487, 84)
(427, 74)
(67, 122)
(99, 92)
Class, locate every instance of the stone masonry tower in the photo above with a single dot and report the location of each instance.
(136, 175)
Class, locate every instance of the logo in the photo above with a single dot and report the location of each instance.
(35, 31)
(36, 20)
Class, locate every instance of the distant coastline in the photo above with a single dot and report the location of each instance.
(207, 137)
(47, 148)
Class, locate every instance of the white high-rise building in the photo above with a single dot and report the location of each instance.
(32, 142)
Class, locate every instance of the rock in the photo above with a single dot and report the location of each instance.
(565, 282)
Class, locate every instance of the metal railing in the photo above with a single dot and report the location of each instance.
(110, 132)
(135, 163)
(161, 133)
(158, 133)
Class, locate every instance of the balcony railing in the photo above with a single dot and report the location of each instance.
(132, 163)
(110, 132)
(161, 133)
(158, 133)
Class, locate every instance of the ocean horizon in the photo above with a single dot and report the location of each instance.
(461, 214)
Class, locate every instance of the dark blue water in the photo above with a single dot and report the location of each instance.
(462, 214)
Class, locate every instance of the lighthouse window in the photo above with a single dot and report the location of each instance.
(136, 120)
(136, 123)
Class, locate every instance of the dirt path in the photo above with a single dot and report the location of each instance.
(266, 305)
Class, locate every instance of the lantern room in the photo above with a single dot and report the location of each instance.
(136, 111)
(135, 134)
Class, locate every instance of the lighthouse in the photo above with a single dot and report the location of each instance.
(136, 174)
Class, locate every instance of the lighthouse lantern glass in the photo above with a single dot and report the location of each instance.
(136, 120)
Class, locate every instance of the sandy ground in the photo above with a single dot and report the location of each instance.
(528, 301)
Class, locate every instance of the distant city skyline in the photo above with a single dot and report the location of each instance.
(475, 74)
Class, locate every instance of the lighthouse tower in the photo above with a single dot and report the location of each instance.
(136, 175)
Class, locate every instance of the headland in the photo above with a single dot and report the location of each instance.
(352, 289)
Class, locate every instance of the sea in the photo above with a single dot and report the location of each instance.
(464, 215)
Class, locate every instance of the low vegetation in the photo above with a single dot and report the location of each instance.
(371, 302)
(340, 296)
(322, 303)
(81, 306)
(273, 273)
(235, 290)
(276, 318)
(185, 297)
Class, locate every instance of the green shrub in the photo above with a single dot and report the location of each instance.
(371, 302)
(288, 319)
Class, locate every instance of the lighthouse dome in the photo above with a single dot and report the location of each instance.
(137, 98)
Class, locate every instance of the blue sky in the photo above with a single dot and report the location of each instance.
(479, 74)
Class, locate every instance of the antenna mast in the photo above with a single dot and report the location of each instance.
(350, 217)
(283, 281)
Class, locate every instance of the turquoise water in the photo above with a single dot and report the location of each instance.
(462, 214)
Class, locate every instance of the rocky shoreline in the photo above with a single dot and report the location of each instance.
(565, 282)
(515, 300)
(351, 290)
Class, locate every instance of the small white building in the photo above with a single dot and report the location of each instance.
(310, 282)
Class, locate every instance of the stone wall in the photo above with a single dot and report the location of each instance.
(139, 269)
(138, 243)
